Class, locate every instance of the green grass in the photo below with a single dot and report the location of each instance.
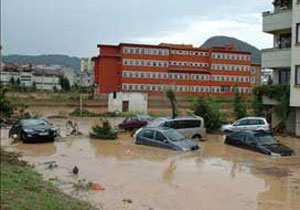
(22, 188)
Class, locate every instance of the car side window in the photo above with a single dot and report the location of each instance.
(148, 134)
(242, 122)
(238, 136)
(249, 139)
(134, 119)
(261, 122)
(159, 136)
(253, 122)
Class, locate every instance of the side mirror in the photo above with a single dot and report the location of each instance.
(165, 141)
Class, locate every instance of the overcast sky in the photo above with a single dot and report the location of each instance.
(75, 27)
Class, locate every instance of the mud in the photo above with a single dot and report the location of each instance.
(139, 177)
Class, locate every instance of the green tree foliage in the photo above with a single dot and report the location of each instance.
(210, 111)
(6, 106)
(64, 83)
(103, 132)
(171, 95)
(12, 81)
(239, 106)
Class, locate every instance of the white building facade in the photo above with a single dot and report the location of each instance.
(124, 102)
(284, 58)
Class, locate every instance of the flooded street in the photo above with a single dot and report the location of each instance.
(216, 177)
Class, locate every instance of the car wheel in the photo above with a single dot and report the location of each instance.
(196, 138)
(23, 137)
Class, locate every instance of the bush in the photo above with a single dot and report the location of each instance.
(239, 106)
(6, 106)
(105, 132)
(84, 113)
(210, 111)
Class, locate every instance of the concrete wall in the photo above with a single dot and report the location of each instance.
(138, 102)
(298, 122)
(291, 121)
(295, 90)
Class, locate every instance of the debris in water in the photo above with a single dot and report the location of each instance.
(127, 201)
(97, 187)
(75, 170)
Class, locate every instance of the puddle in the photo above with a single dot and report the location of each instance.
(216, 177)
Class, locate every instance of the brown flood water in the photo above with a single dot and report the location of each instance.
(216, 177)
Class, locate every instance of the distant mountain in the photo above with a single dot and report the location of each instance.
(64, 60)
(220, 41)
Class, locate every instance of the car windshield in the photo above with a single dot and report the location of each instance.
(265, 139)
(174, 135)
(144, 117)
(34, 122)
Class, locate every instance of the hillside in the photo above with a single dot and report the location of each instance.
(64, 60)
(219, 41)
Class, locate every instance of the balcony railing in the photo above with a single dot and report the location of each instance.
(276, 58)
(277, 20)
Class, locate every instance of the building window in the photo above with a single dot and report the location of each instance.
(298, 33)
(284, 76)
(297, 74)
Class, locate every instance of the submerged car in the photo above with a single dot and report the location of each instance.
(164, 137)
(247, 124)
(258, 141)
(33, 130)
(135, 122)
(192, 127)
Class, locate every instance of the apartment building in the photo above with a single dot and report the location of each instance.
(284, 57)
(45, 77)
(186, 69)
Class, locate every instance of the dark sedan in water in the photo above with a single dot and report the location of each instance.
(33, 130)
(167, 138)
(258, 141)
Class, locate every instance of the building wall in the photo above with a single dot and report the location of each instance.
(138, 102)
(295, 90)
(255, 75)
(153, 68)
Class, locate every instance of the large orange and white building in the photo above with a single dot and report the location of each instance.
(155, 68)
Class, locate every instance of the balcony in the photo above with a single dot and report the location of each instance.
(277, 21)
(276, 58)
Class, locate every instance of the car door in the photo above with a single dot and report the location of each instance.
(147, 137)
(240, 125)
(253, 124)
(162, 141)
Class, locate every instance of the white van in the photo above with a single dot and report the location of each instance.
(192, 127)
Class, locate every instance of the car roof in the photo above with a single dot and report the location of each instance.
(162, 129)
(250, 118)
(178, 118)
(252, 132)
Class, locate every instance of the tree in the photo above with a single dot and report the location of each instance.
(171, 95)
(18, 82)
(34, 86)
(12, 81)
(210, 111)
(64, 83)
(103, 132)
(239, 106)
(6, 106)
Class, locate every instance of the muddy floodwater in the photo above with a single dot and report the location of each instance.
(139, 177)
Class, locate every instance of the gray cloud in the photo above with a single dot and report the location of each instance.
(75, 27)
